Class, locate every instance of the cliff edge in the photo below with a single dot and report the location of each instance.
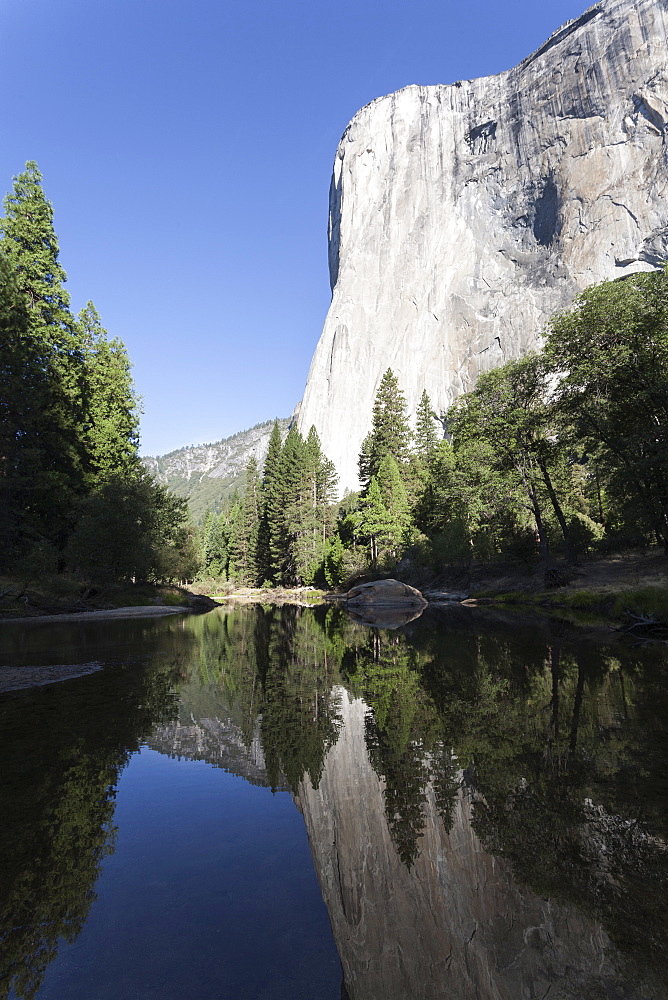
(462, 216)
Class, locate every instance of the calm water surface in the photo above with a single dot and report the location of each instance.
(280, 803)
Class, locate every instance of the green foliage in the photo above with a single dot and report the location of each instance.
(390, 433)
(244, 524)
(69, 420)
(334, 562)
(509, 411)
(214, 546)
(131, 528)
(111, 428)
(610, 356)
(585, 532)
(426, 436)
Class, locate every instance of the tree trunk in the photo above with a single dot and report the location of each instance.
(543, 546)
(563, 524)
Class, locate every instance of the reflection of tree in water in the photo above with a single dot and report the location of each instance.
(63, 748)
(277, 665)
(300, 711)
(563, 753)
(562, 747)
(402, 737)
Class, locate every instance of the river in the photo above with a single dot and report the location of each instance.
(268, 803)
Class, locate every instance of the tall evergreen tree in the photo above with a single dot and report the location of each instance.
(309, 515)
(214, 548)
(245, 521)
(288, 489)
(28, 422)
(29, 246)
(395, 500)
(426, 437)
(111, 404)
(373, 521)
(269, 506)
(390, 433)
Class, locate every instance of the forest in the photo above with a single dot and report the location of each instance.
(74, 496)
(548, 459)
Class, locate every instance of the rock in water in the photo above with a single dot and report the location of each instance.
(462, 216)
(386, 593)
(384, 603)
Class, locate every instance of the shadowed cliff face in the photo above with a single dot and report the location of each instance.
(463, 216)
(455, 924)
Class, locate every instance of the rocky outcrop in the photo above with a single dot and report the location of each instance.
(206, 473)
(463, 216)
(457, 925)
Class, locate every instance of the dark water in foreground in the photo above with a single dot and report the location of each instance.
(279, 803)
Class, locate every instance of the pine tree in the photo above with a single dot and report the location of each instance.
(373, 521)
(110, 402)
(395, 499)
(390, 433)
(289, 487)
(29, 248)
(214, 545)
(27, 431)
(245, 519)
(269, 506)
(426, 437)
(309, 515)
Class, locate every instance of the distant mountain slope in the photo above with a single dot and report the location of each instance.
(208, 473)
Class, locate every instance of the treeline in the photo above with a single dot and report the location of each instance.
(565, 450)
(560, 453)
(73, 493)
(278, 531)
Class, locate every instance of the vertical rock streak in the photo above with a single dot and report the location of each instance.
(463, 216)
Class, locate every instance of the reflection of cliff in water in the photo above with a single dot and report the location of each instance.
(456, 924)
(216, 741)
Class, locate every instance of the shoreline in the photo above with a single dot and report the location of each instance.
(26, 678)
(135, 611)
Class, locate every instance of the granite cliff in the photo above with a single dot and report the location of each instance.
(462, 216)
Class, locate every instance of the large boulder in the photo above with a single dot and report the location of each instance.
(385, 594)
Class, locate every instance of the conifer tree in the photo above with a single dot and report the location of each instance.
(110, 402)
(245, 519)
(395, 499)
(426, 437)
(390, 433)
(29, 246)
(214, 545)
(373, 521)
(310, 513)
(287, 494)
(269, 506)
(29, 430)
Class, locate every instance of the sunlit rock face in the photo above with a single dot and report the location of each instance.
(463, 216)
(457, 926)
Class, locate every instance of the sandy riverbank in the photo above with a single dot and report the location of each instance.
(19, 678)
(150, 611)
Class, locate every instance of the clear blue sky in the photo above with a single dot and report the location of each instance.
(187, 146)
